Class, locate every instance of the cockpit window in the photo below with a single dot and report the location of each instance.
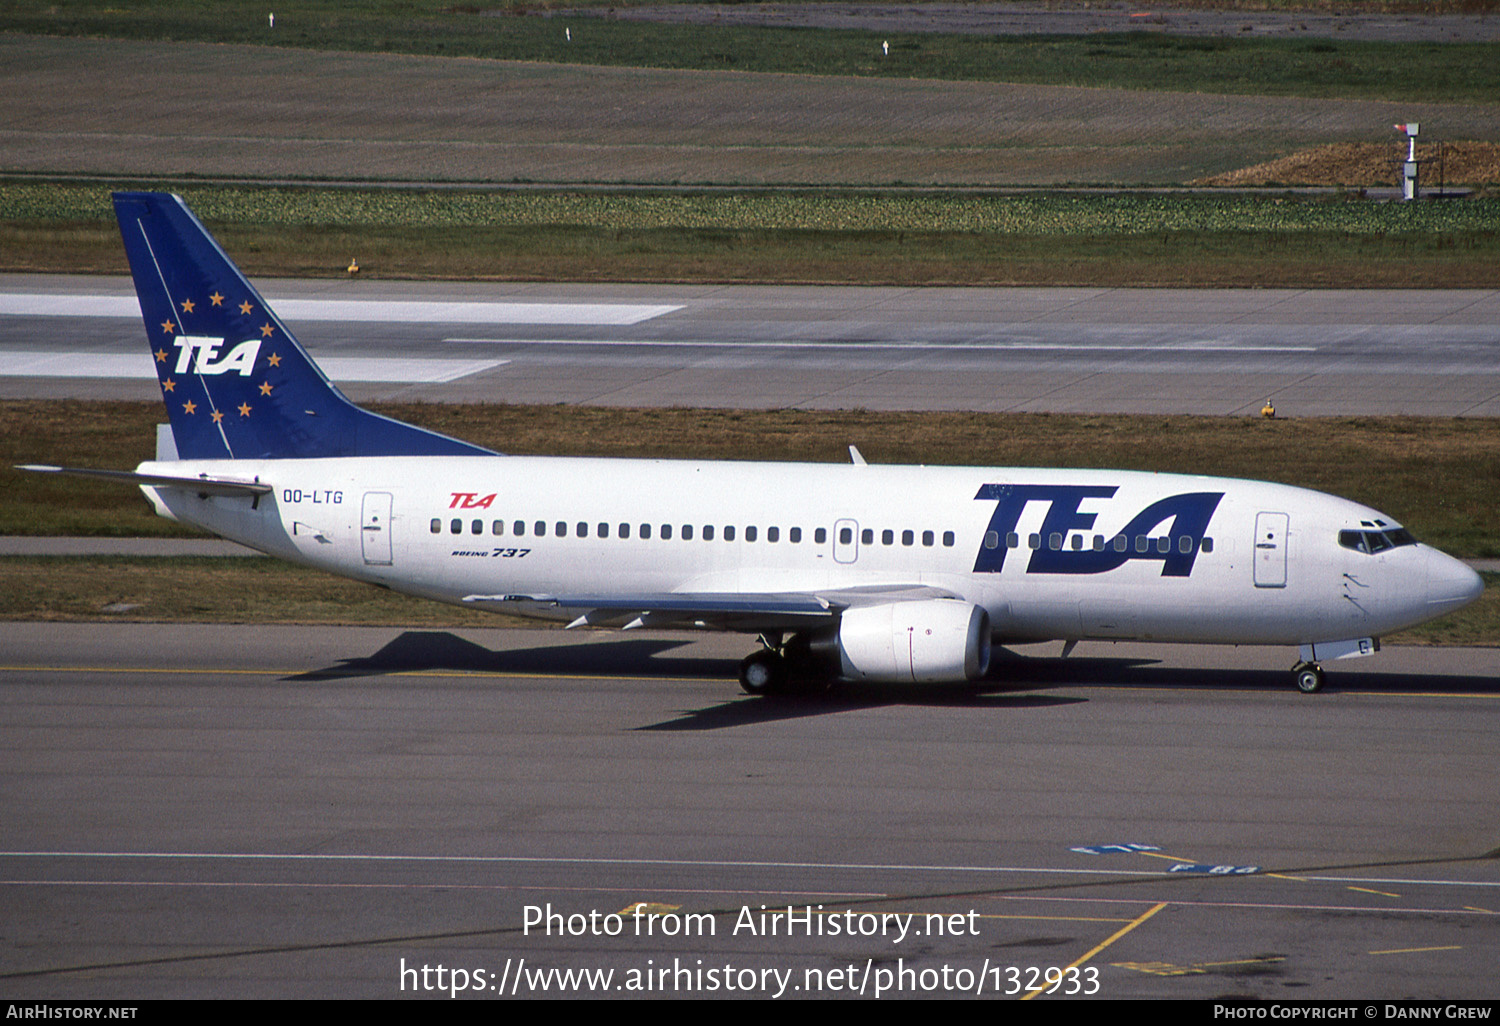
(1371, 542)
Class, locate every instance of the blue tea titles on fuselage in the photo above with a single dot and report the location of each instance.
(1176, 550)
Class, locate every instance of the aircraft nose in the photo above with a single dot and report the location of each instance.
(1450, 584)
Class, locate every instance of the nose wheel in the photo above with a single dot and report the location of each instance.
(1308, 677)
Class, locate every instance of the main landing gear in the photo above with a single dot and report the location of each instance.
(1308, 677)
(784, 668)
(763, 673)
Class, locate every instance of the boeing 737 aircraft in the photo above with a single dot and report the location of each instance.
(869, 573)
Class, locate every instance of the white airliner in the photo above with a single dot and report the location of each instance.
(869, 573)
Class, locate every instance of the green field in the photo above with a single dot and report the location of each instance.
(1139, 239)
(1437, 72)
(1058, 213)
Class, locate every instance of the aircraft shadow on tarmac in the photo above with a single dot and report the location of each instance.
(1013, 680)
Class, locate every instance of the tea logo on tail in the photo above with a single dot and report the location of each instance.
(241, 358)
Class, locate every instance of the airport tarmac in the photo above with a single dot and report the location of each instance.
(1220, 352)
(207, 811)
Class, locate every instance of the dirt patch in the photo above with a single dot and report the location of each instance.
(258, 112)
(1372, 164)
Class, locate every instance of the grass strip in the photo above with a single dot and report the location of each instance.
(1320, 67)
(209, 590)
(1435, 475)
(1142, 239)
(240, 590)
(895, 212)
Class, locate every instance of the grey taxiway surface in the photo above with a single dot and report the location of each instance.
(221, 811)
(281, 811)
(1212, 351)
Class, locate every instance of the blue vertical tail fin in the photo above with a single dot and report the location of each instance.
(236, 383)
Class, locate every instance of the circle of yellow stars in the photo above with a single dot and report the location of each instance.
(169, 327)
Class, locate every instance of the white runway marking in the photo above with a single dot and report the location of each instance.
(305, 857)
(130, 366)
(956, 347)
(383, 311)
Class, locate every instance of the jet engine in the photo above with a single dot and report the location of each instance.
(931, 640)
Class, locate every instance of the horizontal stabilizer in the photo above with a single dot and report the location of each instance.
(202, 484)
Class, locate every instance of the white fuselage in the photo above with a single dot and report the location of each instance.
(1047, 553)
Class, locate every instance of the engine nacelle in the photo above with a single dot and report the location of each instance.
(932, 640)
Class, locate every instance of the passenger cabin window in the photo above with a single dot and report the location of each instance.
(708, 532)
(948, 539)
(729, 532)
(437, 525)
(773, 534)
(794, 535)
(749, 534)
(476, 527)
(498, 527)
(820, 536)
(456, 527)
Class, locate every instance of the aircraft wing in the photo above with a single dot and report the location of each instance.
(203, 484)
(730, 611)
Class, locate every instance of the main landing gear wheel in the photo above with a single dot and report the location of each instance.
(763, 673)
(1308, 677)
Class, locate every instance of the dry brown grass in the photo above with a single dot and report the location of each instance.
(1392, 463)
(1466, 162)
